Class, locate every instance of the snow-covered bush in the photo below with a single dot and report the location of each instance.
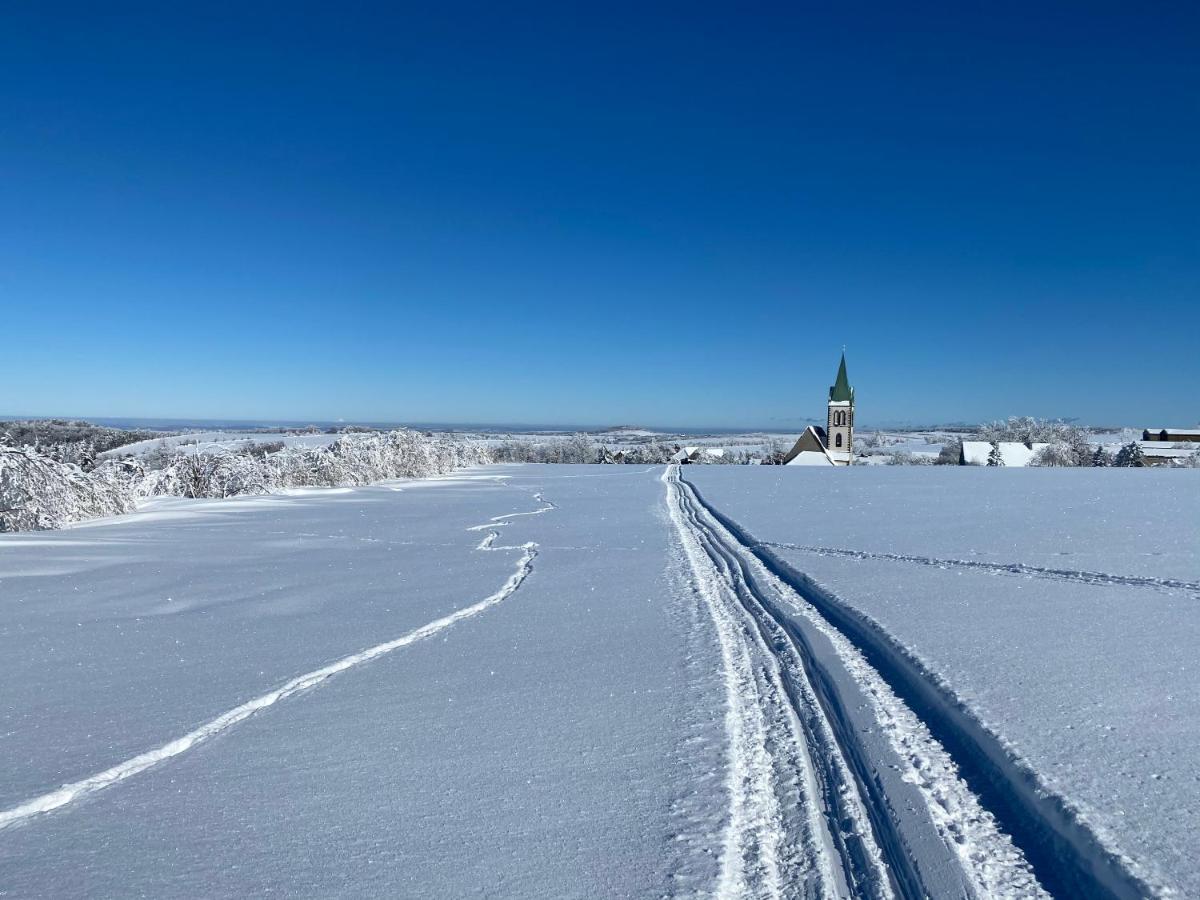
(950, 454)
(67, 440)
(906, 458)
(353, 459)
(578, 448)
(37, 492)
(652, 454)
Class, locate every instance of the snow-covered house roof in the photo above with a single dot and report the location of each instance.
(691, 454)
(810, 458)
(809, 449)
(1168, 450)
(1014, 453)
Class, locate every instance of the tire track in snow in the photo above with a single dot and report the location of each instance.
(1076, 575)
(955, 834)
(75, 791)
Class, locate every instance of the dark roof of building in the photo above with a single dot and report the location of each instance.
(841, 390)
(813, 440)
(1172, 434)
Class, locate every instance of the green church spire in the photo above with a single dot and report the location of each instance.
(841, 390)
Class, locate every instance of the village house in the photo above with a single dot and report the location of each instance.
(1168, 446)
(1013, 453)
(1172, 435)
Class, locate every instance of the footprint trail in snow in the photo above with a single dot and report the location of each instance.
(75, 791)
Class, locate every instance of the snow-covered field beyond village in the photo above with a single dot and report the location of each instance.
(612, 681)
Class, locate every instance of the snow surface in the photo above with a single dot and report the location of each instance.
(1058, 606)
(557, 742)
(583, 681)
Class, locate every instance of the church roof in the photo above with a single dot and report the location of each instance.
(810, 449)
(841, 390)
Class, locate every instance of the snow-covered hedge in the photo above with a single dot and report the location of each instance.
(37, 493)
(582, 448)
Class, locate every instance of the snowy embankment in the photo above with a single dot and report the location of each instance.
(1041, 622)
(37, 493)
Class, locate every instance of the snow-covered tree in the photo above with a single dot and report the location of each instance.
(1076, 441)
(1028, 430)
(995, 457)
(774, 452)
(1102, 457)
(1055, 455)
(1130, 456)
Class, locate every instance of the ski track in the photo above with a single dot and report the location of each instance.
(1079, 576)
(991, 866)
(75, 791)
(776, 842)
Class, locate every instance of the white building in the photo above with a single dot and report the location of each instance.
(1167, 453)
(1014, 453)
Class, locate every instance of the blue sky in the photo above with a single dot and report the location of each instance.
(612, 214)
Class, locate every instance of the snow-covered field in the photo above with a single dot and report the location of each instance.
(616, 681)
(559, 739)
(1059, 608)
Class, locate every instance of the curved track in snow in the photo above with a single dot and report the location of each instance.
(73, 792)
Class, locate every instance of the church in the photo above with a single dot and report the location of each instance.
(832, 445)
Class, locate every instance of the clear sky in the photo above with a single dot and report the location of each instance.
(606, 213)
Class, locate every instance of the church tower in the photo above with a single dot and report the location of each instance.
(840, 426)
